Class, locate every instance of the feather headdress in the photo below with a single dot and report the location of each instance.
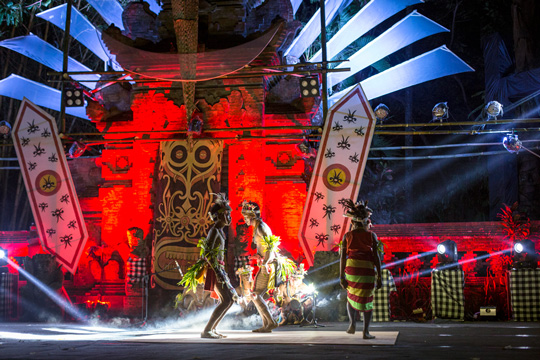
(358, 212)
(221, 199)
(251, 208)
(221, 204)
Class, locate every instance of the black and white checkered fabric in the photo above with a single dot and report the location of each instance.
(136, 269)
(447, 298)
(381, 297)
(8, 293)
(239, 262)
(525, 294)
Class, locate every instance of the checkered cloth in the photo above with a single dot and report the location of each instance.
(136, 269)
(381, 297)
(8, 293)
(447, 298)
(239, 262)
(525, 294)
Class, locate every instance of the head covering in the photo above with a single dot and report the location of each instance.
(221, 204)
(358, 212)
(251, 208)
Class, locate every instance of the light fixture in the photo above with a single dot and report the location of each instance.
(309, 87)
(73, 97)
(77, 149)
(447, 254)
(494, 109)
(381, 112)
(3, 257)
(440, 111)
(525, 256)
(512, 143)
(5, 129)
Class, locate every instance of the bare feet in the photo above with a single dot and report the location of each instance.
(351, 330)
(367, 336)
(209, 335)
(271, 326)
(266, 329)
(221, 336)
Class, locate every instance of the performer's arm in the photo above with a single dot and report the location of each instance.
(210, 244)
(377, 259)
(342, 262)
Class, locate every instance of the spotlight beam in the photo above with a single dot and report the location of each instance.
(311, 271)
(428, 271)
(60, 301)
(417, 256)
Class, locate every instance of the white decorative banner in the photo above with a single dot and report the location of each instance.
(338, 172)
(52, 196)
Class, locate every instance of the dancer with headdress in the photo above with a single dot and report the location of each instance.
(213, 255)
(359, 258)
(266, 255)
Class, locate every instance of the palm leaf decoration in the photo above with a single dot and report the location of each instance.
(194, 275)
(272, 242)
(287, 268)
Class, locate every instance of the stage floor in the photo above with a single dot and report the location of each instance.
(282, 336)
(432, 340)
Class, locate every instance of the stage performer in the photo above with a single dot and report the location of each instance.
(359, 257)
(213, 249)
(265, 278)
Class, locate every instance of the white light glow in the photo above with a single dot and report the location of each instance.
(441, 249)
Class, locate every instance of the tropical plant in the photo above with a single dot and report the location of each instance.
(515, 225)
(11, 13)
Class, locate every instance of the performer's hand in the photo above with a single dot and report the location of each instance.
(343, 282)
(379, 282)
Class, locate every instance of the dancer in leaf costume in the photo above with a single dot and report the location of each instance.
(359, 258)
(266, 255)
(212, 253)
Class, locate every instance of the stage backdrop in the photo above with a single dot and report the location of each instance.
(339, 167)
(187, 178)
(54, 202)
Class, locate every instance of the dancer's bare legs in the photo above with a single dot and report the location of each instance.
(226, 301)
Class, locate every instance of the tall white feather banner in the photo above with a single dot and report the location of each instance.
(338, 172)
(53, 199)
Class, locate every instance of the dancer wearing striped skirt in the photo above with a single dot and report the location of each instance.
(359, 258)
